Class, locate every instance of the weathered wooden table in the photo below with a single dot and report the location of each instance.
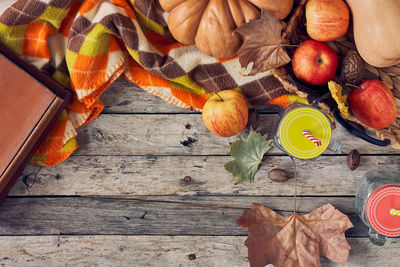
(122, 200)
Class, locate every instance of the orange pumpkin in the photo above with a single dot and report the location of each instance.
(210, 23)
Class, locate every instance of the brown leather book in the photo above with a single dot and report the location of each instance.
(30, 102)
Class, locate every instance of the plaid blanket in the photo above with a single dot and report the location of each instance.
(86, 45)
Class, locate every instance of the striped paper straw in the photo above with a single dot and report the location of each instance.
(306, 133)
(394, 212)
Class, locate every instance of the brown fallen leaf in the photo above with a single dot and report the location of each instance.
(262, 44)
(297, 240)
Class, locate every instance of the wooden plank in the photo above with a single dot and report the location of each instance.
(150, 215)
(175, 134)
(126, 97)
(160, 251)
(163, 175)
(178, 134)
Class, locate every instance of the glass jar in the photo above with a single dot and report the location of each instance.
(378, 205)
(289, 131)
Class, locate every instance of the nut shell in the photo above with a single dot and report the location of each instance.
(278, 175)
(353, 159)
(352, 68)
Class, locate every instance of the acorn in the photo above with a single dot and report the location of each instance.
(352, 68)
(278, 175)
(353, 159)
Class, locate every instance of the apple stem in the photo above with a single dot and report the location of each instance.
(219, 96)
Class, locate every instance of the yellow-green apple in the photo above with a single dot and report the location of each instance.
(327, 20)
(226, 113)
(314, 62)
(373, 104)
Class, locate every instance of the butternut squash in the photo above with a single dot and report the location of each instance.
(377, 30)
(210, 23)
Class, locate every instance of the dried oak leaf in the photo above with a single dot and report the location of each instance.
(336, 92)
(247, 156)
(297, 240)
(262, 44)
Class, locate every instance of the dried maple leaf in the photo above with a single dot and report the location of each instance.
(336, 92)
(247, 156)
(262, 44)
(297, 240)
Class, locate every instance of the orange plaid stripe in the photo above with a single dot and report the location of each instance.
(93, 98)
(142, 77)
(87, 6)
(80, 108)
(88, 71)
(114, 45)
(226, 59)
(163, 43)
(69, 19)
(35, 42)
(55, 138)
(195, 100)
(127, 8)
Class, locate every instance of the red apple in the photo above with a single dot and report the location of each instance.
(226, 113)
(327, 20)
(314, 62)
(373, 104)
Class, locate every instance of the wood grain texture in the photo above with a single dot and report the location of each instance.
(136, 209)
(163, 175)
(151, 215)
(160, 251)
(179, 134)
(173, 134)
(125, 97)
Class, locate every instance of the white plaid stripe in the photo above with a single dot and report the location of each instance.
(144, 44)
(188, 57)
(46, 1)
(235, 70)
(4, 4)
(36, 61)
(58, 46)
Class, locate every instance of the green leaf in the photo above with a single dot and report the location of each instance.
(247, 156)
